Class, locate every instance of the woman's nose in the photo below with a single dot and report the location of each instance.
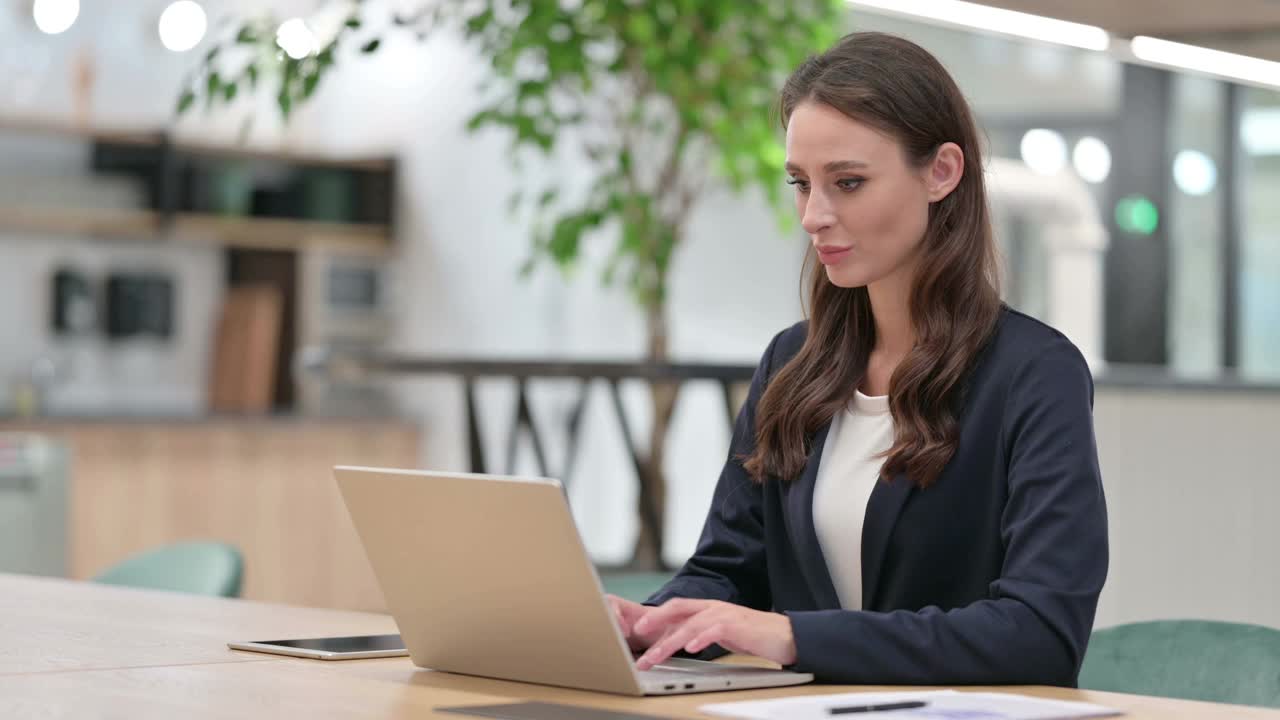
(817, 214)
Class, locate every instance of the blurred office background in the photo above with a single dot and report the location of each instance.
(185, 302)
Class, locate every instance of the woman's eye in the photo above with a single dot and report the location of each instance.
(849, 184)
(800, 185)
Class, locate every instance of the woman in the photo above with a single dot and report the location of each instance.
(912, 494)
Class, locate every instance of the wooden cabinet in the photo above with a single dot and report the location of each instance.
(264, 485)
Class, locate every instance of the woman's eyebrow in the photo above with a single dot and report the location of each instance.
(833, 166)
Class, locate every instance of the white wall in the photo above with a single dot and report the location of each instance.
(1192, 491)
(94, 375)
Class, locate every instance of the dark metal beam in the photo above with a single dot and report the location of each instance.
(1232, 210)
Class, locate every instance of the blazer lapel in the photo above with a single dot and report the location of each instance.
(883, 509)
(803, 533)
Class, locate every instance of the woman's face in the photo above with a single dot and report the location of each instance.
(864, 207)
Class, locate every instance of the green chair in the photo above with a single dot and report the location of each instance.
(201, 568)
(1188, 659)
(637, 586)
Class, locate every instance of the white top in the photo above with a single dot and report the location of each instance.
(847, 473)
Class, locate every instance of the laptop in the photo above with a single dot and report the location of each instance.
(486, 575)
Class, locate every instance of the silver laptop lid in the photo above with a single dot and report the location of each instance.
(487, 575)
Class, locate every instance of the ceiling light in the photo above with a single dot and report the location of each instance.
(1202, 59)
(1260, 131)
(1092, 159)
(1008, 22)
(55, 16)
(182, 25)
(1194, 172)
(296, 39)
(1044, 151)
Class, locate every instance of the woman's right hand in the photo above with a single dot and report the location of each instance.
(627, 614)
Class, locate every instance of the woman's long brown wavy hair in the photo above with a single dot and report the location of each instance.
(897, 87)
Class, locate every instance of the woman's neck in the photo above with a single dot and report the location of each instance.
(895, 334)
(891, 309)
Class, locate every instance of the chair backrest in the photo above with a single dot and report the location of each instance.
(636, 586)
(1190, 659)
(201, 568)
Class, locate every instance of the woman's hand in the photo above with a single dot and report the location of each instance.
(627, 614)
(693, 625)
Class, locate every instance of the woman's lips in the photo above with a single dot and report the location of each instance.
(832, 254)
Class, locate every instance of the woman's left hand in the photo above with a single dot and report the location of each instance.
(693, 625)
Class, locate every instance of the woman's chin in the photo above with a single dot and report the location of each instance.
(846, 277)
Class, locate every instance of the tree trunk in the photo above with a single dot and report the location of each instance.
(649, 541)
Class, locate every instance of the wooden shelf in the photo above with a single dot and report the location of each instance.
(156, 137)
(81, 221)
(178, 178)
(198, 149)
(278, 233)
(243, 232)
(45, 126)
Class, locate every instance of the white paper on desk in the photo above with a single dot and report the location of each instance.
(942, 705)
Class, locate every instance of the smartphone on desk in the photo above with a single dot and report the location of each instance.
(351, 647)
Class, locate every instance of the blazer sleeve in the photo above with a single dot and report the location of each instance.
(729, 562)
(1035, 623)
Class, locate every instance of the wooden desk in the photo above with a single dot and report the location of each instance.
(75, 650)
(60, 625)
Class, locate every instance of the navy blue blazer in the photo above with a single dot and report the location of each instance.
(989, 576)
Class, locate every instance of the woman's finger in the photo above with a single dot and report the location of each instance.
(621, 616)
(671, 612)
(717, 633)
(662, 650)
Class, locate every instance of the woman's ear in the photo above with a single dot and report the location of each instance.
(944, 171)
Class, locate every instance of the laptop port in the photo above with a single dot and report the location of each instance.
(688, 686)
(668, 687)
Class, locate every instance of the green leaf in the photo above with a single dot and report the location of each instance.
(631, 238)
(185, 101)
(480, 22)
(252, 73)
(229, 92)
(640, 26)
(213, 84)
(213, 53)
(548, 196)
(285, 102)
(309, 84)
(370, 46)
(352, 23)
(325, 58)
(564, 240)
(480, 119)
(531, 88)
(247, 36)
(772, 155)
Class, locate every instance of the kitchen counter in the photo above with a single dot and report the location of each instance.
(261, 483)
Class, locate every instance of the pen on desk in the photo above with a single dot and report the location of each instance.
(850, 709)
